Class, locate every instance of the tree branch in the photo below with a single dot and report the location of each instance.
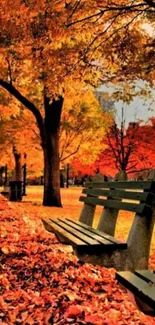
(71, 154)
(29, 105)
(150, 3)
(9, 71)
(143, 6)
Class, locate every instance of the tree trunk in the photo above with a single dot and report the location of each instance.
(6, 175)
(52, 174)
(67, 176)
(51, 152)
(1, 176)
(62, 183)
(121, 176)
(24, 180)
(18, 165)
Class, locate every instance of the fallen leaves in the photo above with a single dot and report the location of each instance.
(5, 250)
(43, 283)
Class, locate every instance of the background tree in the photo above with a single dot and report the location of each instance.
(83, 126)
(128, 150)
(18, 135)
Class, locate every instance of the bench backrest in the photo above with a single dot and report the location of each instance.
(115, 196)
(111, 194)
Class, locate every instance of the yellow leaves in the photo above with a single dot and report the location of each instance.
(5, 250)
(66, 50)
(44, 44)
(83, 125)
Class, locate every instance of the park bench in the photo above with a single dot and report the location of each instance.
(99, 246)
(142, 284)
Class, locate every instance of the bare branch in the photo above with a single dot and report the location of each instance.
(72, 153)
(75, 8)
(150, 3)
(140, 7)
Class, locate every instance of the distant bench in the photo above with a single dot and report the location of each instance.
(99, 246)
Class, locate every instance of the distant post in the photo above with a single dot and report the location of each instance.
(62, 178)
(24, 176)
(1, 176)
(67, 176)
(6, 175)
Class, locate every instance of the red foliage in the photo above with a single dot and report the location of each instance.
(42, 283)
(134, 152)
(137, 143)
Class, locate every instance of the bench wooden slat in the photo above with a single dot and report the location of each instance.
(146, 275)
(74, 232)
(145, 185)
(95, 236)
(137, 208)
(120, 244)
(139, 287)
(139, 196)
(50, 226)
(71, 238)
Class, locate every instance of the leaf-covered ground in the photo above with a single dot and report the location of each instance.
(41, 282)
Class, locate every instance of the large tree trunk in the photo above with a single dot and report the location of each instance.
(51, 173)
(51, 152)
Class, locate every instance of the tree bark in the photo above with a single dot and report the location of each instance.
(51, 173)
(18, 165)
(51, 152)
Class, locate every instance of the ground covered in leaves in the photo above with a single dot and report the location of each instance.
(42, 283)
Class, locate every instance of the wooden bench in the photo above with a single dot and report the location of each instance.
(99, 246)
(142, 284)
(88, 244)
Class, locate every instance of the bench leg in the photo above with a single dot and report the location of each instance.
(139, 241)
(87, 214)
(116, 259)
(107, 222)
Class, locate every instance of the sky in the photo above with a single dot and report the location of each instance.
(139, 109)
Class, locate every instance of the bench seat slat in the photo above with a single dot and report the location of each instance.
(139, 196)
(51, 227)
(139, 287)
(137, 208)
(146, 275)
(81, 246)
(119, 243)
(88, 233)
(74, 232)
(144, 185)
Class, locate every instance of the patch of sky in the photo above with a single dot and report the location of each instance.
(140, 108)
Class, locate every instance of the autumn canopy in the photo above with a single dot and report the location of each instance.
(51, 49)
